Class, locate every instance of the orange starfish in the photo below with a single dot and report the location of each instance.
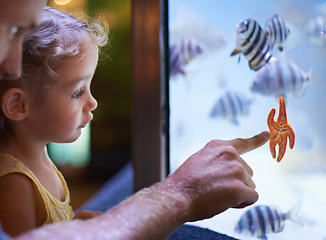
(280, 131)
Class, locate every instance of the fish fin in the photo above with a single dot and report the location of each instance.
(264, 237)
(255, 68)
(251, 66)
(183, 72)
(235, 121)
(293, 214)
(306, 83)
(309, 74)
(235, 52)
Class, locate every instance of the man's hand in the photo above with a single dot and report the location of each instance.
(217, 178)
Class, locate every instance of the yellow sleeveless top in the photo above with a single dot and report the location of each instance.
(56, 210)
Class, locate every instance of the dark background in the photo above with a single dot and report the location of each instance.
(111, 86)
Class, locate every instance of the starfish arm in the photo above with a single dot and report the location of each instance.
(282, 112)
(291, 136)
(272, 145)
(270, 119)
(281, 149)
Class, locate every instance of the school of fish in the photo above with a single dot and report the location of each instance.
(258, 44)
(277, 78)
(274, 77)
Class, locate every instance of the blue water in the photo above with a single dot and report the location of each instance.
(301, 176)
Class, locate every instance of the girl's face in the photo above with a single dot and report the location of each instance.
(69, 102)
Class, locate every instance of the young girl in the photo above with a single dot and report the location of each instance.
(51, 102)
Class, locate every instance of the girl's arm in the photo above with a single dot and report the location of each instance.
(17, 204)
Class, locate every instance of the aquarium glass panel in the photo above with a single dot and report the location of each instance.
(232, 62)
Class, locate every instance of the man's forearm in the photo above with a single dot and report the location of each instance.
(152, 213)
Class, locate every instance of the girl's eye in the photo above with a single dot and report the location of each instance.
(78, 94)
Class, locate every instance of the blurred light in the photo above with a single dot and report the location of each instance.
(62, 2)
(77, 154)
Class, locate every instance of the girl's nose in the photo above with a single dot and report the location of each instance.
(92, 104)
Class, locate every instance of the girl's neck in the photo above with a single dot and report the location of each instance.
(33, 155)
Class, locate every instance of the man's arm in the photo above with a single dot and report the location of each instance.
(209, 182)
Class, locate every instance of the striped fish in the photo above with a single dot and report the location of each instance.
(230, 106)
(181, 53)
(276, 31)
(253, 43)
(176, 63)
(281, 78)
(261, 220)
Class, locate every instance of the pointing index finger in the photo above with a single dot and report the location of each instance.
(243, 145)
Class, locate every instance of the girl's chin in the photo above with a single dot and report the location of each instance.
(73, 138)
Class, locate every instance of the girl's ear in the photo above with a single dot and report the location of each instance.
(14, 104)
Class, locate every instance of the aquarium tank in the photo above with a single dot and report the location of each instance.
(232, 62)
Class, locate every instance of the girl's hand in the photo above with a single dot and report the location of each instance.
(87, 214)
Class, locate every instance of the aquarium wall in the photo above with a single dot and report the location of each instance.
(223, 84)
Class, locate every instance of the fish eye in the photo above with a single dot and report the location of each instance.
(246, 25)
(243, 25)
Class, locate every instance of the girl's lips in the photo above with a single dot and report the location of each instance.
(83, 126)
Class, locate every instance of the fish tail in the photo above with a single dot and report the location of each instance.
(293, 214)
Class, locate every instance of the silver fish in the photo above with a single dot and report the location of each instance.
(253, 43)
(262, 219)
(323, 33)
(176, 63)
(314, 27)
(181, 53)
(230, 106)
(281, 78)
(277, 31)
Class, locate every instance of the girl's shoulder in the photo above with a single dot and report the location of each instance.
(15, 183)
(17, 203)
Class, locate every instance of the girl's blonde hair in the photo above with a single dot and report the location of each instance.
(58, 37)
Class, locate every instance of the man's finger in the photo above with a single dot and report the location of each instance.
(243, 145)
(250, 197)
(247, 167)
